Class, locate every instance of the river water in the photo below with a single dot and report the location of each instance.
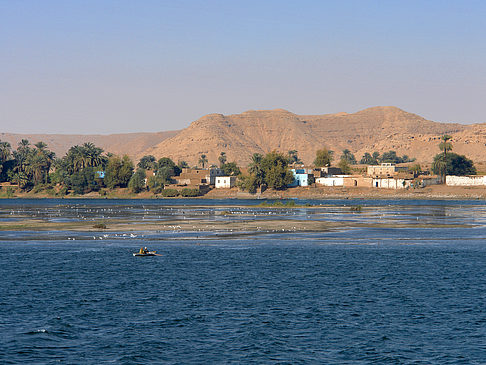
(401, 282)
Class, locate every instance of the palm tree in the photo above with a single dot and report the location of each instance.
(4, 151)
(92, 154)
(21, 155)
(256, 169)
(293, 158)
(222, 159)
(36, 167)
(39, 163)
(348, 156)
(203, 160)
(40, 145)
(77, 156)
(445, 146)
(24, 143)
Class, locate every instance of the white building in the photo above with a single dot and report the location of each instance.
(391, 183)
(225, 182)
(330, 181)
(466, 180)
(214, 172)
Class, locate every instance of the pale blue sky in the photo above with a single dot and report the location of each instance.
(135, 66)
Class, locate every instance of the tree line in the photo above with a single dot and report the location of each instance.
(86, 168)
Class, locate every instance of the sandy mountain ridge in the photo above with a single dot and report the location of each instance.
(375, 129)
(240, 135)
(133, 144)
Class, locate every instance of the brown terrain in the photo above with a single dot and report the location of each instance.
(375, 129)
(240, 135)
(133, 144)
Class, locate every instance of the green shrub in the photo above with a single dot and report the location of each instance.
(186, 192)
(169, 193)
(63, 191)
(7, 193)
(100, 226)
(356, 208)
(279, 204)
(38, 188)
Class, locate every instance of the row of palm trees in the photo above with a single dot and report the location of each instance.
(30, 165)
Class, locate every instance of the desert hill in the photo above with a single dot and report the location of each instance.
(240, 135)
(132, 144)
(374, 129)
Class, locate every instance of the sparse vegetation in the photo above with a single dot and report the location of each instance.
(324, 158)
(169, 193)
(356, 208)
(279, 204)
(189, 193)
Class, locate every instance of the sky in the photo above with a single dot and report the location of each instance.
(99, 67)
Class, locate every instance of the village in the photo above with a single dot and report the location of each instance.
(382, 176)
(86, 170)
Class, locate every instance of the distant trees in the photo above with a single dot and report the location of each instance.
(344, 166)
(137, 181)
(348, 157)
(449, 163)
(166, 169)
(5, 157)
(230, 169)
(368, 159)
(203, 160)
(390, 157)
(293, 157)
(147, 162)
(222, 159)
(323, 157)
(415, 169)
(118, 172)
(271, 171)
(455, 164)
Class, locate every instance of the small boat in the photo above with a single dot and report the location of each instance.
(148, 253)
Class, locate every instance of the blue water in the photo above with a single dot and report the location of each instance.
(365, 293)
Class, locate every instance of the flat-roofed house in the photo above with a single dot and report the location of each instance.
(225, 182)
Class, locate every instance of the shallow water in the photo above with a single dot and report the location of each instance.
(368, 292)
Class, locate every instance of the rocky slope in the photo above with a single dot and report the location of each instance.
(374, 129)
(240, 135)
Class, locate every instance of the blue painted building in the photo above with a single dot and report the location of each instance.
(301, 177)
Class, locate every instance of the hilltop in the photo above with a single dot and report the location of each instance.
(373, 129)
(378, 129)
(133, 144)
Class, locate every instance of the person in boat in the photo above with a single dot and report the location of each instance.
(146, 250)
(142, 250)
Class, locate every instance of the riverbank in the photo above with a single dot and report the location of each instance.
(318, 192)
(313, 192)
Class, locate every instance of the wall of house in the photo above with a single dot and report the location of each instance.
(301, 177)
(330, 181)
(383, 169)
(225, 182)
(391, 183)
(358, 181)
(213, 173)
(466, 180)
(428, 181)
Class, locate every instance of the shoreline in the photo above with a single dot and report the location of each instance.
(434, 192)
